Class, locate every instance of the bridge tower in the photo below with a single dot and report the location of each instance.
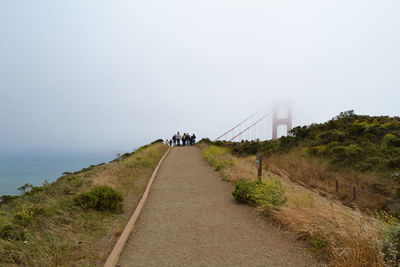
(278, 121)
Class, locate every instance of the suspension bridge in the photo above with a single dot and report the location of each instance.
(262, 125)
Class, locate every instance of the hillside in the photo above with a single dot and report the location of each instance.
(355, 150)
(365, 143)
(340, 182)
(77, 219)
(337, 234)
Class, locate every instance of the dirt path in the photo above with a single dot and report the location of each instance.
(191, 219)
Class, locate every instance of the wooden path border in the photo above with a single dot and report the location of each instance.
(113, 258)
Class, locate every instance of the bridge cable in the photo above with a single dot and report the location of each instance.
(239, 125)
(256, 122)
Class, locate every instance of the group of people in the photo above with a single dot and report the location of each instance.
(182, 140)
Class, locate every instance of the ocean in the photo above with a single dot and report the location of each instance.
(16, 169)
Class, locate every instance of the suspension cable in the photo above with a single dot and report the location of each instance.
(256, 122)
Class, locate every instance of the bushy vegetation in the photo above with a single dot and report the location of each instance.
(215, 155)
(262, 193)
(100, 198)
(357, 150)
(365, 143)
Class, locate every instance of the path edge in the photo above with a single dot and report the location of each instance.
(113, 258)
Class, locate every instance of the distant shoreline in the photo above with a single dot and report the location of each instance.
(35, 168)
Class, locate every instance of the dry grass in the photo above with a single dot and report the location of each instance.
(318, 174)
(239, 168)
(341, 235)
(352, 238)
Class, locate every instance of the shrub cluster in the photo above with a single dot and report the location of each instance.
(100, 198)
(268, 193)
(391, 238)
(27, 213)
(365, 143)
(349, 140)
(5, 199)
(12, 232)
(217, 156)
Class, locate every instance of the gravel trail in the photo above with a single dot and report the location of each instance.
(191, 219)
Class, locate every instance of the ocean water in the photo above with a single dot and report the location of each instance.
(16, 169)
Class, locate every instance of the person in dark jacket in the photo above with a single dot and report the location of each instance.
(193, 139)
(184, 139)
(174, 139)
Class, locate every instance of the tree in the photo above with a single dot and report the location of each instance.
(25, 188)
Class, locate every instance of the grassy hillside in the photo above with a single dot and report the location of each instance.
(337, 234)
(355, 150)
(365, 143)
(77, 219)
(358, 153)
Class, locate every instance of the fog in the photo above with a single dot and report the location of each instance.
(108, 75)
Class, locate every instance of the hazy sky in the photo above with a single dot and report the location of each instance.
(108, 75)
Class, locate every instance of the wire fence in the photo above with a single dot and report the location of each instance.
(365, 198)
(348, 193)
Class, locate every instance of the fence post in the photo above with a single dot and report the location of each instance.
(354, 193)
(379, 200)
(259, 165)
(336, 186)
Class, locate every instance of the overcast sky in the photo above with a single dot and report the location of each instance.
(109, 75)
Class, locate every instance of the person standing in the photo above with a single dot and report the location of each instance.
(178, 139)
(174, 139)
(184, 139)
(193, 139)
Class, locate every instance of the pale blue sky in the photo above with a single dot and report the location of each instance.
(108, 75)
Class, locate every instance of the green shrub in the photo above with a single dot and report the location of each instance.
(4, 199)
(390, 140)
(206, 141)
(243, 192)
(216, 156)
(394, 207)
(331, 136)
(27, 213)
(12, 232)
(246, 148)
(317, 150)
(346, 154)
(34, 190)
(393, 162)
(269, 193)
(317, 244)
(100, 198)
(320, 247)
(391, 243)
(25, 188)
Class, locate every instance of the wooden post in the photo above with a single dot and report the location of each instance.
(354, 193)
(259, 165)
(336, 186)
(378, 200)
